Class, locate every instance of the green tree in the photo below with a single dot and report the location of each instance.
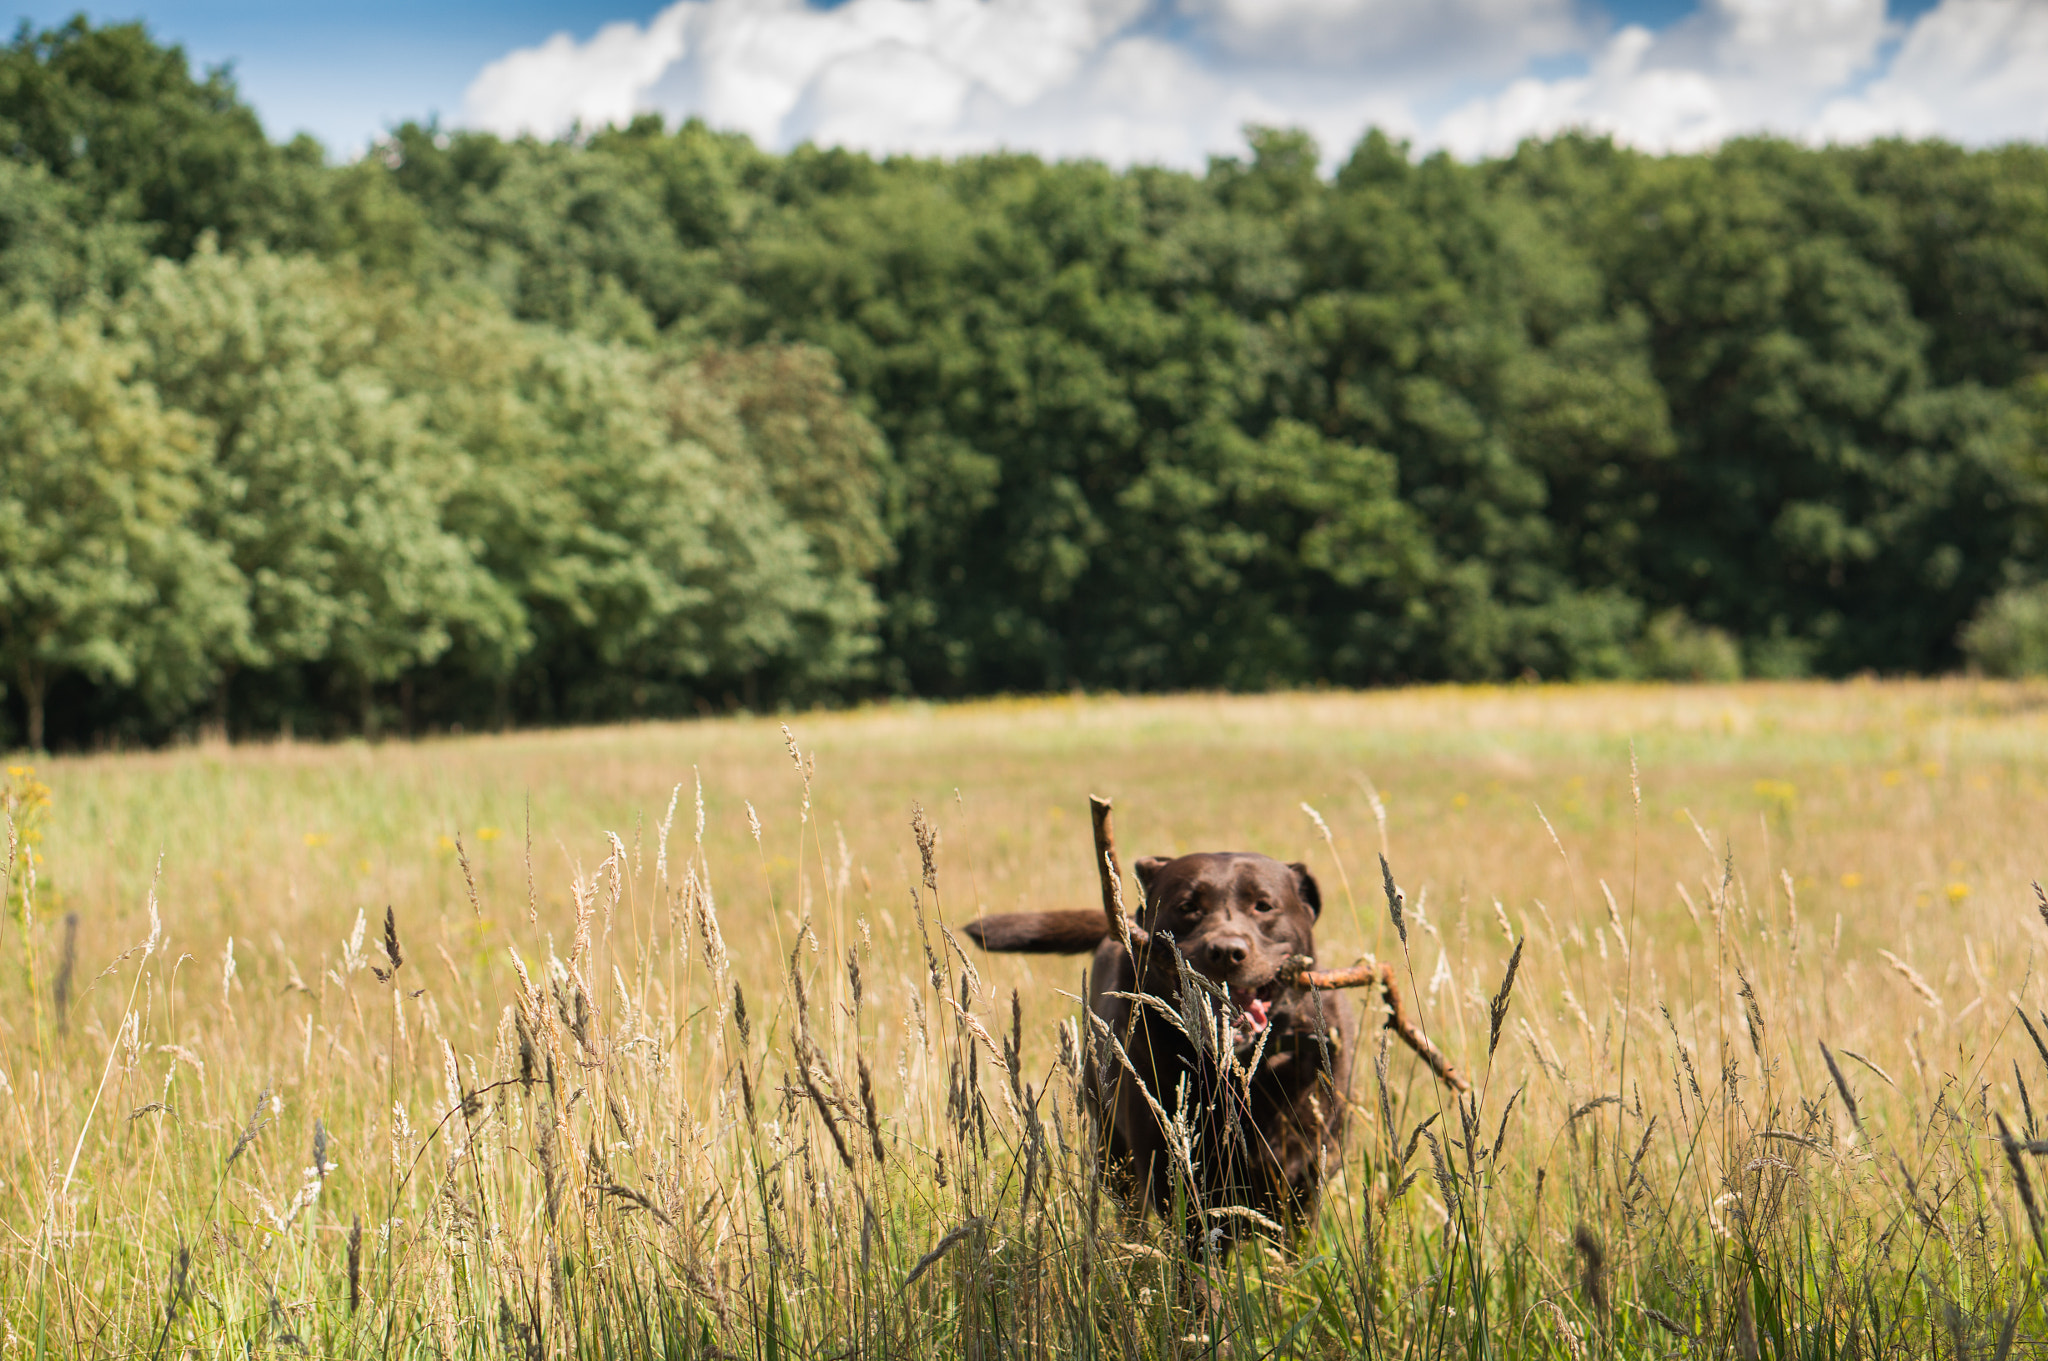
(53, 248)
(102, 571)
(1965, 233)
(120, 116)
(783, 410)
(572, 239)
(1453, 329)
(326, 484)
(620, 499)
(1831, 503)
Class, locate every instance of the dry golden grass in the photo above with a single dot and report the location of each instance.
(1857, 860)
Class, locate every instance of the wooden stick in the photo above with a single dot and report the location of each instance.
(1399, 1020)
(1107, 867)
(1110, 870)
(1328, 980)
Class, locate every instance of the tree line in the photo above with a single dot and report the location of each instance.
(653, 421)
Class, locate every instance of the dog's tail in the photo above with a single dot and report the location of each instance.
(1040, 933)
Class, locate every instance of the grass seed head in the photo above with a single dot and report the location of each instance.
(867, 1105)
(526, 1047)
(1841, 1085)
(1501, 1137)
(257, 1120)
(181, 1282)
(392, 953)
(803, 1072)
(927, 836)
(355, 1263)
(2023, 1183)
(1614, 920)
(1497, 1009)
(1752, 1013)
(1395, 900)
(2034, 1035)
(476, 907)
(1592, 1267)
(1913, 979)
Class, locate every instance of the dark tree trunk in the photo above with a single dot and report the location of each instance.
(220, 702)
(35, 684)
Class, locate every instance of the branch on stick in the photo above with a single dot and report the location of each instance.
(1399, 1019)
(1111, 870)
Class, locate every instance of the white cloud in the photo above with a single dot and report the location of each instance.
(1169, 81)
(1976, 70)
(1734, 66)
(886, 74)
(1174, 81)
(1468, 36)
(1787, 48)
(562, 82)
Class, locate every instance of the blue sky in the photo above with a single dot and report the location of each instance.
(1156, 80)
(346, 72)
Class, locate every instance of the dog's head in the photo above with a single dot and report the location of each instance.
(1237, 918)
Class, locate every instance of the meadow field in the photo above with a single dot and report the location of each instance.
(660, 1039)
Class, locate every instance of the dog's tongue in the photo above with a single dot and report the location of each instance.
(1255, 1010)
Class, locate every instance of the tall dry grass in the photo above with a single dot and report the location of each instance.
(1759, 1080)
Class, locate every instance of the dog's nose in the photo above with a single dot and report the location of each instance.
(1228, 951)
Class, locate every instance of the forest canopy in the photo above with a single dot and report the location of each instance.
(653, 421)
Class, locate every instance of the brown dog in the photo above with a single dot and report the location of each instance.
(1254, 1065)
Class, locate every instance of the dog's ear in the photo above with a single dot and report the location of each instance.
(1305, 884)
(1147, 868)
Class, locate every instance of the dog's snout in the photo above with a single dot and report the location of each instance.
(1227, 952)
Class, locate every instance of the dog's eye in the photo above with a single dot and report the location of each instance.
(1262, 906)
